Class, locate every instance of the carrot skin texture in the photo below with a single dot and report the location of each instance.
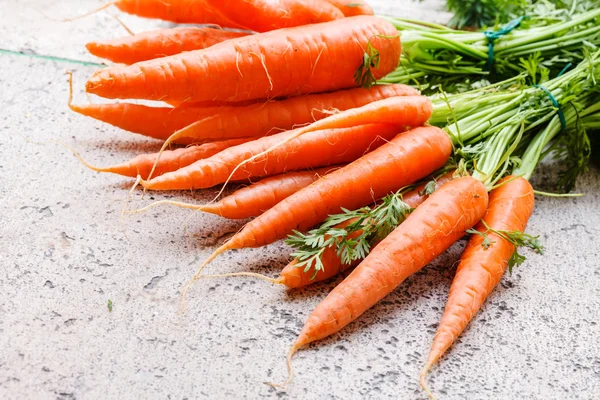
(268, 15)
(159, 43)
(334, 146)
(267, 118)
(433, 227)
(171, 160)
(180, 11)
(325, 58)
(154, 122)
(253, 200)
(480, 270)
(403, 160)
(295, 277)
(358, 7)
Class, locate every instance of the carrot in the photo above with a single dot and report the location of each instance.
(427, 232)
(320, 148)
(266, 118)
(481, 268)
(255, 199)
(154, 122)
(159, 43)
(180, 11)
(192, 104)
(287, 62)
(352, 8)
(411, 110)
(295, 277)
(170, 160)
(267, 15)
(403, 160)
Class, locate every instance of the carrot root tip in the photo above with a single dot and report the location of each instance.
(423, 382)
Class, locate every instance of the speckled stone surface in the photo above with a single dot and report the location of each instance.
(64, 253)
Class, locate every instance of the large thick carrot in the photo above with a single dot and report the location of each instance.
(352, 8)
(405, 159)
(481, 268)
(255, 199)
(266, 118)
(159, 43)
(295, 277)
(170, 160)
(427, 232)
(267, 15)
(333, 146)
(287, 62)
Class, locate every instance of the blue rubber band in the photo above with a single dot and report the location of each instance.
(561, 115)
(491, 36)
(562, 71)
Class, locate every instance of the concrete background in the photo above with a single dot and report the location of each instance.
(64, 254)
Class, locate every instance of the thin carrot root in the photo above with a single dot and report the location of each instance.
(196, 276)
(85, 163)
(284, 385)
(102, 7)
(174, 136)
(122, 24)
(423, 381)
(277, 281)
(169, 202)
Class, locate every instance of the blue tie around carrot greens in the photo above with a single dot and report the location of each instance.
(433, 54)
(497, 130)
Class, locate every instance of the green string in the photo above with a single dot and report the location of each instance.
(561, 115)
(51, 58)
(491, 36)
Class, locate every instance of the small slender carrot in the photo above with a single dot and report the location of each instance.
(255, 199)
(154, 122)
(170, 160)
(334, 146)
(403, 160)
(351, 8)
(324, 57)
(294, 277)
(268, 15)
(481, 267)
(159, 43)
(427, 232)
(267, 118)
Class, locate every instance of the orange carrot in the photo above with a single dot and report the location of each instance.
(351, 8)
(295, 277)
(405, 159)
(320, 148)
(324, 57)
(481, 268)
(255, 199)
(180, 11)
(155, 122)
(159, 43)
(170, 160)
(267, 15)
(267, 118)
(412, 110)
(427, 232)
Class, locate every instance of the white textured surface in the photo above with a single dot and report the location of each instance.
(63, 255)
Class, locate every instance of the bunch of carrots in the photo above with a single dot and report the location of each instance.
(287, 104)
